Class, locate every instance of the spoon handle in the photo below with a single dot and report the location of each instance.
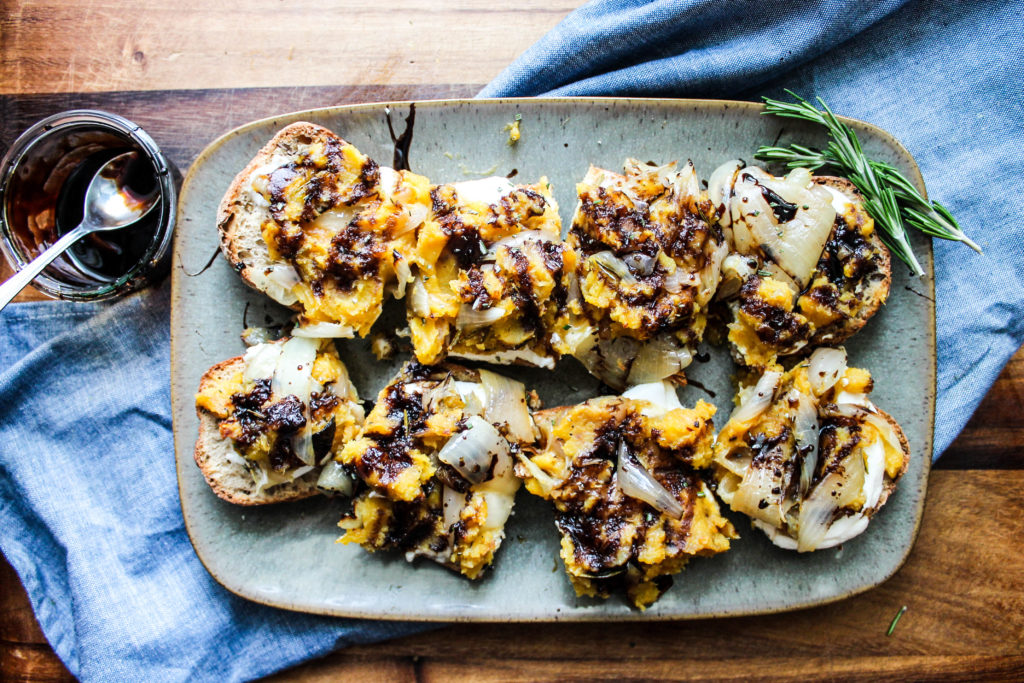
(18, 281)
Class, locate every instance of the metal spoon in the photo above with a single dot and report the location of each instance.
(110, 204)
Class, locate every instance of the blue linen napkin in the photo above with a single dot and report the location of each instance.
(89, 512)
(946, 78)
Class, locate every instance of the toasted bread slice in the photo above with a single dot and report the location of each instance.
(437, 456)
(318, 226)
(648, 261)
(873, 290)
(807, 456)
(271, 419)
(224, 468)
(491, 271)
(786, 308)
(623, 473)
(241, 215)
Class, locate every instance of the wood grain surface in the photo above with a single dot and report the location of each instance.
(190, 73)
(87, 46)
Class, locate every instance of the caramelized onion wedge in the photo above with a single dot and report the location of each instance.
(720, 188)
(661, 395)
(473, 450)
(758, 399)
(759, 494)
(825, 367)
(270, 282)
(806, 434)
(261, 361)
(657, 359)
(506, 402)
(334, 479)
(613, 266)
(788, 219)
(470, 318)
(838, 489)
(324, 331)
(452, 504)
(637, 482)
(419, 298)
(293, 376)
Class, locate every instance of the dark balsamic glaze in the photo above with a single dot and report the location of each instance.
(695, 383)
(784, 211)
(400, 160)
(106, 255)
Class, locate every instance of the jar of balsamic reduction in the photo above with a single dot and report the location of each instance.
(43, 181)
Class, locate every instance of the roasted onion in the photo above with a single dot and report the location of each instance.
(788, 219)
(760, 494)
(470, 318)
(403, 276)
(473, 450)
(506, 402)
(419, 299)
(261, 361)
(755, 401)
(293, 376)
(613, 266)
(324, 331)
(640, 263)
(806, 435)
(270, 282)
(661, 395)
(520, 239)
(825, 367)
(334, 479)
(452, 503)
(637, 482)
(661, 357)
(720, 188)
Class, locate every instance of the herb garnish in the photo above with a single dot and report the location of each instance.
(890, 198)
(895, 620)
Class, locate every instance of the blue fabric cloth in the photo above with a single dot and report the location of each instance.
(944, 77)
(89, 511)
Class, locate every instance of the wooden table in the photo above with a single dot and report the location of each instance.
(188, 71)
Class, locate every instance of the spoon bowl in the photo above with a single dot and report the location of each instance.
(122, 192)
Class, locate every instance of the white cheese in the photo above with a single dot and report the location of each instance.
(260, 361)
(840, 202)
(483, 191)
(661, 396)
(509, 356)
(325, 331)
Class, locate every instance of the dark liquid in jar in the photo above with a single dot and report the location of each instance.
(104, 255)
(46, 199)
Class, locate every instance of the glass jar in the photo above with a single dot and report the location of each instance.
(43, 180)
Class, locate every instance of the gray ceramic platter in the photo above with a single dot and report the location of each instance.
(286, 556)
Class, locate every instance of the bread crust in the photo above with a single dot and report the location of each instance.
(239, 221)
(230, 480)
(549, 414)
(877, 293)
(890, 482)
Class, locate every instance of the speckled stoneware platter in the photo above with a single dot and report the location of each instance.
(285, 555)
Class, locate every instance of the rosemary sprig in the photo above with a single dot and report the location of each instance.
(890, 198)
(931, 218)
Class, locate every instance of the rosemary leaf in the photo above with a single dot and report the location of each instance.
(896, 620)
